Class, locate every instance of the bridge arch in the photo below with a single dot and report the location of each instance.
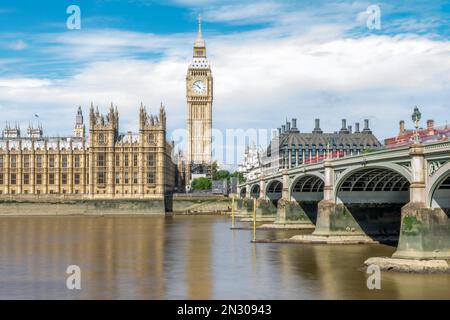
(274, 189)
(254, 191)
(438, 192)
(373, 196)
(307, 190)
(307, 182)
(370, 178)
(243, 192)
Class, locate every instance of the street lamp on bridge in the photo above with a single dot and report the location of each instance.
(416, 116)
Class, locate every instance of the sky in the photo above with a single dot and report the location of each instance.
(271, 61)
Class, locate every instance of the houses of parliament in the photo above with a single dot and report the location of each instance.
(105, 165)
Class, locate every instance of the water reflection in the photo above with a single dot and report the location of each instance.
(186, 258)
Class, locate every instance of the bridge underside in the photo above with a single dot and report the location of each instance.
(368, 202)
(243, 193)
(254, 192)
(274, 192)
(441, 197)
(306, 193)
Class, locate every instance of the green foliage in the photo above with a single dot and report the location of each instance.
(411, 224)
(239, 175)
(368, 150)
(214, 169)
(201, 184)
(221, 175)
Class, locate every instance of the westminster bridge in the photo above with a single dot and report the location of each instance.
(401, 194)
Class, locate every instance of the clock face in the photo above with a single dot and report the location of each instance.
(199, 87)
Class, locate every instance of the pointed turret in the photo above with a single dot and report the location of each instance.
(79, 130)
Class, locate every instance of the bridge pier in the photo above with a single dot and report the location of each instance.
(293, 213)
(334, 219)
(335, 223)
(265, 208)
(424, 232)
(244, 207)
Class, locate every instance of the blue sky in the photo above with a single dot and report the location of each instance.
(271, 60)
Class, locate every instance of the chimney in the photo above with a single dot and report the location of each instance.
(288, 126)
(350, 129)
(357, 127)
(283, 128)
(430, 126)
(294, 125)
(344, 127)
(402, 127)
(366, 127)
(279, 131)
(317, 126)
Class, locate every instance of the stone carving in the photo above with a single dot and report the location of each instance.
(434, 166)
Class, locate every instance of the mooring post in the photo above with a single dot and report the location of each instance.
(254, 220)
(232, 212)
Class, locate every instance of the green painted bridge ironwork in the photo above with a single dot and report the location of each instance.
(400, 194)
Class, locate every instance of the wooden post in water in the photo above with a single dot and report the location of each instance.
(232, 212)
(254, 219)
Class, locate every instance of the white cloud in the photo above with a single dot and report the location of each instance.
(245, 13)
(299, 67)
(377, 77)
(17, 45)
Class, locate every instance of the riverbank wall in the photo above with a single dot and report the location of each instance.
(50, 205)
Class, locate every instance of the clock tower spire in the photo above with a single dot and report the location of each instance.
(199, 95)
(199, 45)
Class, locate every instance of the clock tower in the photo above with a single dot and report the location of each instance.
(199, 94)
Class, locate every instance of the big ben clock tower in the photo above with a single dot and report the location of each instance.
(199, 94)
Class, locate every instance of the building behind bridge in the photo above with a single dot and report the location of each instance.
(429, 134)
(291, 148)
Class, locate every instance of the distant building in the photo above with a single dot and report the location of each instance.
(291, 148)
(251, 166)
(426, 135)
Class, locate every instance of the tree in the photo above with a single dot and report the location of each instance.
(201, 184)
(238, 175)
(221, 175)
(214, 169)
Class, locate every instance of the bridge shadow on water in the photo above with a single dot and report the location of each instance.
(310, 210)
(381, 222)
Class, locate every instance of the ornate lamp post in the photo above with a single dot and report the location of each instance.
(416, 119)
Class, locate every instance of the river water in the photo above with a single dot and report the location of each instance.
(186, 257)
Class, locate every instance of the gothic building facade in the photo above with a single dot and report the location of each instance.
(107, 165)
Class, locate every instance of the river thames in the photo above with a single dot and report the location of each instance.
(187, 257)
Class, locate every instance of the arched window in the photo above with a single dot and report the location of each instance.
(320, 150)
(101, 138)
(293, 155)
(314, 150)
(300, 153)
